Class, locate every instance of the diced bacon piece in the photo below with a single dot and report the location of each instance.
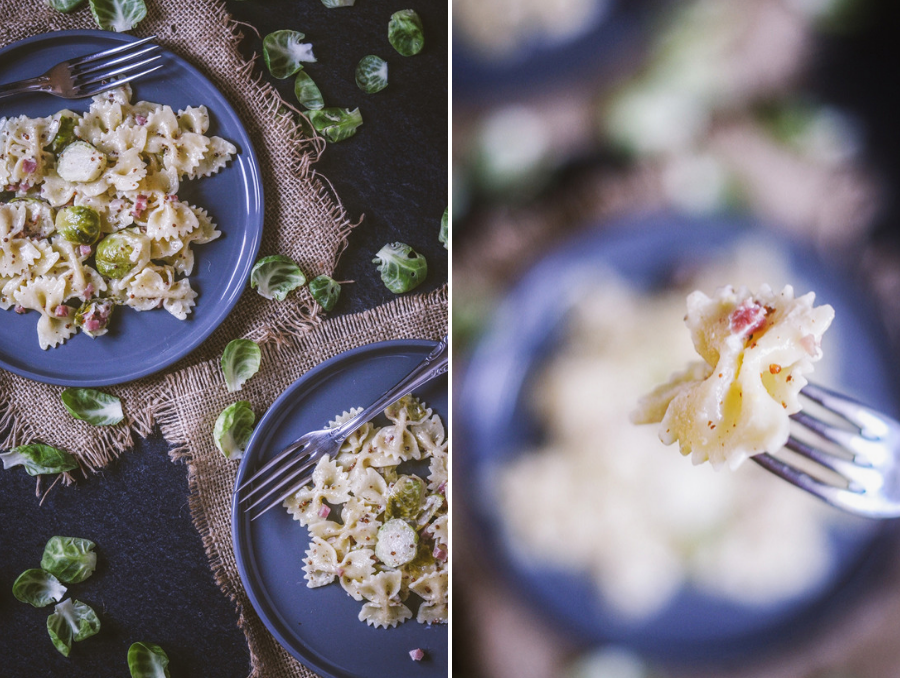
(810, 345)
(24, 187)
(88, 289)
(417, 654)
(172, 197)
(84, 250)
(61, 311)
(340, 572)
(140, 119)
(92, 324)
(20, 309)
(442, 488)
(140, 204)
(439, 553)
(324, 511)
(29, 165)
(748, 318)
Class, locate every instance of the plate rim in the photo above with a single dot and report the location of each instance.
(232, 296)
(425, 345)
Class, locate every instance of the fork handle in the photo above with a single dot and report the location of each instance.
(434, 365)
(38, 84)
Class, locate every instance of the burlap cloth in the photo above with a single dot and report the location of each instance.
(303, 220)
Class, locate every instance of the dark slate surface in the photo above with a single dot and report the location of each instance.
(153, 582)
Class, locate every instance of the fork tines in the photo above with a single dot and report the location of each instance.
(97, 72)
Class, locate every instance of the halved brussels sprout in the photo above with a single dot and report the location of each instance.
(78, 224)
(119, 252)
(405, 32)
(405, 498)
(39, 222)
(94, 315)
(325, 291)
(80, 162)
(336, 124)
(64, 126)
(285, 54)
(444, 235)
(372, 74)
(307, 92)
(402, 268)
(397, 543)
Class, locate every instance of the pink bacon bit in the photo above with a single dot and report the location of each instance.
(439, 553)
(747, 319)
(140, 204)
(442, 489)
(61, 311)
(24, 187)
(84, 250)
(29, 165)
(417, 655)
(172, 197)
(324, 511)
(92, 324)
(20, 309)
(140, 120)
(810, 345)
(339, 572)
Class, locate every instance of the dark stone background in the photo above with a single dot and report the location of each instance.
(153, 582)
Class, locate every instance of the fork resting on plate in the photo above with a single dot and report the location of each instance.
(294, 465)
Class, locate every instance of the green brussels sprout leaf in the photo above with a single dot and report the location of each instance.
(77, 224)
(285, 54)
(405, 498)
(405, 32)
(275, 276)
(444, 235)
(336, 124)
(307, 92)
(240, 361)
(71, 620)
(146, 660)
(325, 290)
(402, 268)
(64, 5)
(338, 3)
(39, 459)
(38, 588)
(118, 15)
(70, 559)
(233, 429)
(372, 74)
(65, 131)
(94, 407)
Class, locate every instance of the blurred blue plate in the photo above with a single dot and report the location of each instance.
(495, 425)
(138, 343)
(320, 627)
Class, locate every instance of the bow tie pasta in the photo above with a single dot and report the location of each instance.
(392, 536)
(90, 217)
(757, 350)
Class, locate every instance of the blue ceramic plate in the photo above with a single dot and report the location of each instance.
(320, 626)
(496, 426)
(139, 344)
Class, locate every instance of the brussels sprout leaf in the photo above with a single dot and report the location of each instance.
(336, 124)
(273, 277)
(118, 15)
(38, 588)
(405, 32)
(325, 291)
(444, 235)
(240, 361)
(307, 92)
(94, 407)
(402, 268)
(71, 620)
(338, 3)
(372, 74)
(70, 559)
(146, 660)
(64, 5)
(38, 458)
(285, 54)
(233, 429)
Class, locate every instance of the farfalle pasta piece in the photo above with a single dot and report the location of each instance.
(383, 608)
(320, 564)
(757, 350)
(155, 287)
(219, 152)
(45, 295)
(432, 588)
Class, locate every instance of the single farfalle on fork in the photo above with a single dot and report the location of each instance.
(757, 350)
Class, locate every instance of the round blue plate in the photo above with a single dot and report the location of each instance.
(320, 627)
(139, 344)
(496, 425)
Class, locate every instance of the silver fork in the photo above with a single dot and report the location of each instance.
(870, 464)
(296, 469)
(91, 74)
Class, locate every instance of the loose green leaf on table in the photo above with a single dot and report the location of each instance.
(71, 621)
(118, 15)
(70, 559)
(38, 588)
(233, 429)
(325, 290)
(307, 92)
(64, 5)
(94, 407)
(38, 458)
(372, 74)
(405, 32)
(402, 268)
(338, 3)
(336, 124)
(146, 660)
(285, 53)
(240, 361)
(444, 235)
(275, 276)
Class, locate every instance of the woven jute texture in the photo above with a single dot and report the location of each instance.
(303, 220)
